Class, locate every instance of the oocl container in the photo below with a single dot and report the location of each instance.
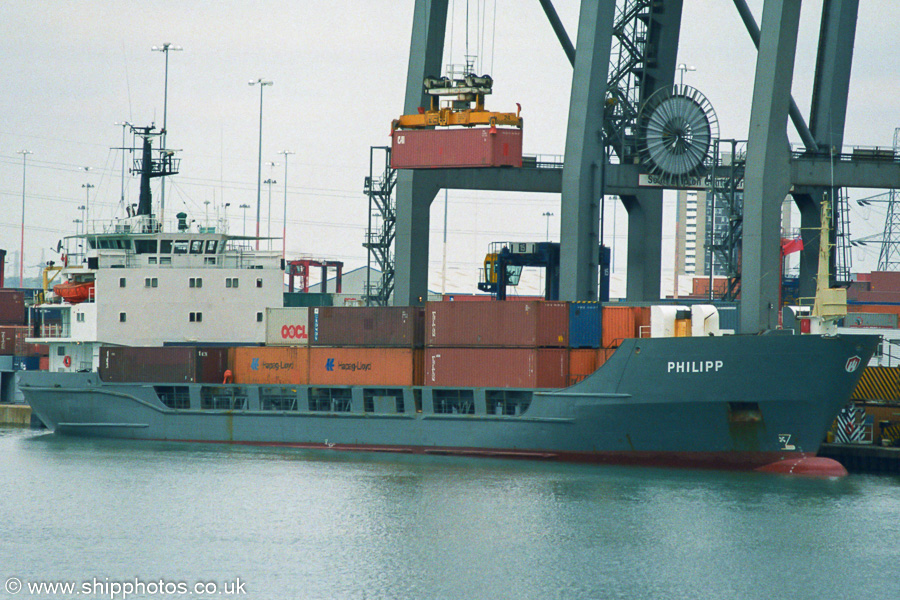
(363, 366)
(287, 326)
(270, 365)
(375, 326)
(497, 367)
(464, 147)
(497, 324)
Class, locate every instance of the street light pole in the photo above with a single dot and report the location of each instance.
(24, 154)
(284, 217)
(165, 50)
(244, 207)
(87, 203)
(262, 84)
(123, 125)
(269, 182)
(683, 67)
(546, 215)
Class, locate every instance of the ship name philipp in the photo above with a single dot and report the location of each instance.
(694, 366)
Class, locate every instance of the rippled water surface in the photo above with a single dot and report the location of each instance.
(325, 524)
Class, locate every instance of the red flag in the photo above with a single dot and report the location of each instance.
(791, 246)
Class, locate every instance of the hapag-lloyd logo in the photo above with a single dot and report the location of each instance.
(256, 365)
(347, 366)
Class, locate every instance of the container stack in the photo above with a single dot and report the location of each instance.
(497, 344)
(15, 353)
(376, 345)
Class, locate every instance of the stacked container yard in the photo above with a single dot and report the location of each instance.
(497, 344)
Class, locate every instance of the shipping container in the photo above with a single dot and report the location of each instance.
(12, 307)
(163, 364)
(295, 299)
(374, 326)
(44, 363)
(270, 365)
(880, 320)
(582, 362)
(618, 325)
(884, 281)
(497, 324)
(464, 147)
(12, 340)
(584, 325)
(497, 367)
(287, 326)
(363, 366)
(642, 321)
(26, 363)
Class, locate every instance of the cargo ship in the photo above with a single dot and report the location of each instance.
(170, 343)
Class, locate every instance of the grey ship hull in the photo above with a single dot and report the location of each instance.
(725, 402)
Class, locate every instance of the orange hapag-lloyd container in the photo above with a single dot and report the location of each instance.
(270, 365)
(497, 367)
(363, 366)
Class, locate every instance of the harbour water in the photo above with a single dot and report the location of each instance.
(267, 522)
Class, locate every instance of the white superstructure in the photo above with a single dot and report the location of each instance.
(161, 287)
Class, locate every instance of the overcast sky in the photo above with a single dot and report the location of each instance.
(71, 69)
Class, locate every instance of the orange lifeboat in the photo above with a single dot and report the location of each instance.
(75, 291)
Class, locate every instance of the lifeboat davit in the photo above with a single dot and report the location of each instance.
(75, 291)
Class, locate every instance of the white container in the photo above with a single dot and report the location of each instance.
(287, 326)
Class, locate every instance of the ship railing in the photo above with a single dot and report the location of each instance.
(53, 330)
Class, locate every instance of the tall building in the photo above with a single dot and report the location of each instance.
(692, 223)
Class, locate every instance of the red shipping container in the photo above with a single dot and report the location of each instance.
(12, 340)
(885, 281)
(464, 147)
(618, 324)
(163, 364)
(497, 367)
(502, 324)
(44, 363)
(362, 366)
(377, 326)
(12, 307)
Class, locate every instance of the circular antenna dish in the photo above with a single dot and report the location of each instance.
(676, 127)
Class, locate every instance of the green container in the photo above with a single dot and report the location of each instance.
(295, 299)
